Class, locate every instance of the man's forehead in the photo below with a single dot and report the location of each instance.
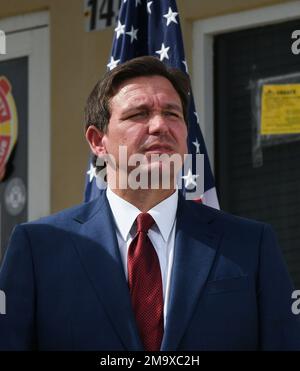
(140, 88)
(143, 79)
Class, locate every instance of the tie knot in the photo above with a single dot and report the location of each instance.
(144, 222)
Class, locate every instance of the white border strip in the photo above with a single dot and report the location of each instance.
(203, 32)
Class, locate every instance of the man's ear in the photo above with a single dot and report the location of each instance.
(95, 139)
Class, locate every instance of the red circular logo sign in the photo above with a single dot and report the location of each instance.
(8, 124)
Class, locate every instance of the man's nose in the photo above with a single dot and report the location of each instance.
(158, 123)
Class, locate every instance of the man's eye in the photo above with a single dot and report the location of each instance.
(172, 114)
(138, 115)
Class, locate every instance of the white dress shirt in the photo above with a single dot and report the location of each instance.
(161, 234)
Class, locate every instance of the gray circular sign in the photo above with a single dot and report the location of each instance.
(15, 196)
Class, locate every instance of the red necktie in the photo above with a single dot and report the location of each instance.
(145, 285)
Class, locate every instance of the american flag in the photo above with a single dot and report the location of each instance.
(153, 28)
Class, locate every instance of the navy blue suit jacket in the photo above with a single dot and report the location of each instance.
(66, 289)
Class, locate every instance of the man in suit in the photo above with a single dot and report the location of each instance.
(144, 268)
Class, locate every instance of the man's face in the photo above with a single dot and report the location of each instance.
(147, 118)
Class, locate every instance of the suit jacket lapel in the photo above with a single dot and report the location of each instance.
(99, 253)
(195, 249)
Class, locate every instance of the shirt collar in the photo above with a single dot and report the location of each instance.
(164, 214)
(125, 213)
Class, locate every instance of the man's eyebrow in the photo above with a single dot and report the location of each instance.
(133, 107)
(144, 106)
(173, 106)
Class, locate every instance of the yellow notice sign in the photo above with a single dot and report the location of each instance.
(280, 112)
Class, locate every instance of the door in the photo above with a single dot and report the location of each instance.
(24, 122)
(257, 181)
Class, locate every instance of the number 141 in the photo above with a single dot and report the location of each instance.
(103, 13)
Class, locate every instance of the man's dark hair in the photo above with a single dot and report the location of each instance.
(97, 109)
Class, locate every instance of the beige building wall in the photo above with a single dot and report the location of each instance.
(78, 59)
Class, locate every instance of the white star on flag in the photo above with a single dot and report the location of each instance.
(120, 29)
(132, 33)
(149, 6)
(196, 114)
(92, 172)
(163, 52)
(186, 66)
(113, 63)
(197, 145)
(171, 16)
(190, 179)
